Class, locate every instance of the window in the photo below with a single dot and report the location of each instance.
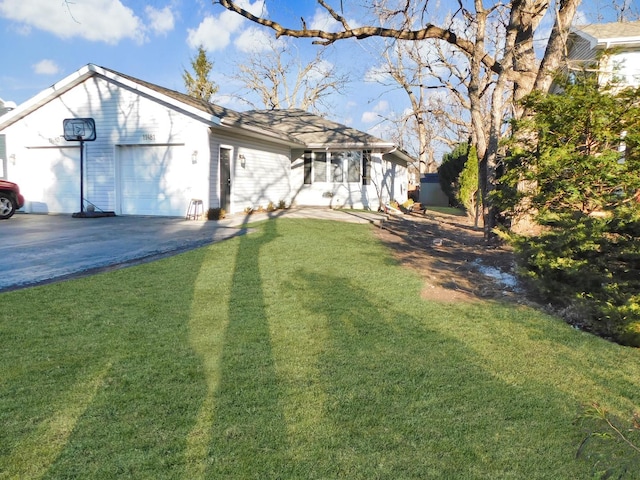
(307, 167)
(353, 166)
(366, 167)
(319, 167)
(337, 167)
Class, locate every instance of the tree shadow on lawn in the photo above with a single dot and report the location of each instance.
(406, 401)
(387, 386)
(111, 384)
(382, 393)
(247, 429)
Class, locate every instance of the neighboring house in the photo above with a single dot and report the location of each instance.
(156, 149)
(611, 50)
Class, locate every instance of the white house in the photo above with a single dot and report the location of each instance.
(608, 49)
(156, 149)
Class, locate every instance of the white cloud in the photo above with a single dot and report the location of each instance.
(321, 69)
(369, 117)
(160, 21)
(322, 20)
(214, 32)
(209, 34)
(106, 21)
(253, 40)
(377, 74)
(46, 67)
(580, 18)
(376, 113)
(381, 106)
(379, 131)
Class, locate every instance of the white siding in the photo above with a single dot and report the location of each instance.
(620, 62)
(626, 67)
(122, 117)
(264, 178)
(128, 121)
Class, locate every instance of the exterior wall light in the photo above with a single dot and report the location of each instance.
(243, 160)
(194, 157)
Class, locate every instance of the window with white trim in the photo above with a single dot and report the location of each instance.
(348, 166)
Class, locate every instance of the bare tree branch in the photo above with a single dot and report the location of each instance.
(327, 38)
(281, 80)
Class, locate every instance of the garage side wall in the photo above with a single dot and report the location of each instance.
(47, 167)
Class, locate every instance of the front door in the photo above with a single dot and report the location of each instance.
(225, 179)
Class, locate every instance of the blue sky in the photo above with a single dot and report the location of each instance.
(45, 40)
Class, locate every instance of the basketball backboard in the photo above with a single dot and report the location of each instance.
(79, 129)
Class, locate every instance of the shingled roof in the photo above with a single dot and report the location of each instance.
(608, 35)
(294, 127)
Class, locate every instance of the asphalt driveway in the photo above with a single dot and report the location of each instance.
(36, 249)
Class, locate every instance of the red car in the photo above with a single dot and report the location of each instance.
(10, 199)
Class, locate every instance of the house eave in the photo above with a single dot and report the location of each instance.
(148, 92)
(83, 74)
(350, 146)
(45, 96)
(607, 43)
(386, 148)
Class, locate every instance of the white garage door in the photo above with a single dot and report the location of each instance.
(154, 180)
(49, 179)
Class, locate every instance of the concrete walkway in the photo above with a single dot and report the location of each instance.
(350, 216)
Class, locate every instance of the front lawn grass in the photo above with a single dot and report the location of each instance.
(300, 351)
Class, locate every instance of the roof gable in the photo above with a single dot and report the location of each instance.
(91, 70)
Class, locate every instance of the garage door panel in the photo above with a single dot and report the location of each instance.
(49, 178)
(154, 180)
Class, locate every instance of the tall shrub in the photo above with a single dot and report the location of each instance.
(468, 189)
(582, 178)
(450, 169)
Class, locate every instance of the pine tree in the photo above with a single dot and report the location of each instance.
(198, 85)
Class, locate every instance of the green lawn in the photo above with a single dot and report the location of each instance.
(299, 351)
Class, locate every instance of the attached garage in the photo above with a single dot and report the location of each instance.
(155, 180)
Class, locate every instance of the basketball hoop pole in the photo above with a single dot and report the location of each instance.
(81, 174)
(82, 130)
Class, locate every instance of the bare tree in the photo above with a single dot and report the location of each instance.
(515, 67)
(402, 67)
(279, 78)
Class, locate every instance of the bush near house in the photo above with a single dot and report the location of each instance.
(581, 178)
(450, 169)
(458, 174)
(216, 214)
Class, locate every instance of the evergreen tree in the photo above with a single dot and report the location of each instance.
(581, 183)
(198, 85)
(468, 191)
(449, 171)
